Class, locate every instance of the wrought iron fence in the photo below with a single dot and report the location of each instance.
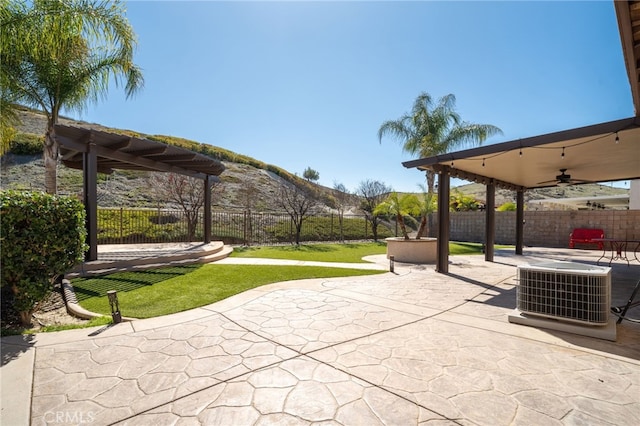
(130, 226)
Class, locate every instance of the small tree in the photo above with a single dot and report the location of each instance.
(371, 193)
(311, 175)
(43, 236)
(341, 196)
(428, 204)
(184, 191)
(460, 202)
(248, 193)
(299, 202)
(401, 207)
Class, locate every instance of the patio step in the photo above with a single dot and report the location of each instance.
(149, 256)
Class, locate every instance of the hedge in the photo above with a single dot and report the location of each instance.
(41, 237)
(27, 144)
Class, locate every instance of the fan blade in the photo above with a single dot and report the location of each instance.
(547, 181)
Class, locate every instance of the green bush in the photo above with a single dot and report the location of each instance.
(27, 144)
(140, 226)
(326, 228)
(507, 207)
(41, 237)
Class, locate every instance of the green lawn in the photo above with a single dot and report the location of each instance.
(348, 253)
(145, 294)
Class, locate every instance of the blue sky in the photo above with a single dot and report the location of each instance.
(307, 84)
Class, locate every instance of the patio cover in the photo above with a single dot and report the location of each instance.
(599, 153)
(94, 151)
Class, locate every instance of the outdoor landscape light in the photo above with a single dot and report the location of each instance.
(115, 306)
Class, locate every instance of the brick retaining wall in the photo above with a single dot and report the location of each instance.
(544, 228)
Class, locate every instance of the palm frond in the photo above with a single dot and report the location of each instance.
(429, 130)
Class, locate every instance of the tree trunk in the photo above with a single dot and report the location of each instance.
(51, 153)
(25, 318)
(431, 179)
(403, 227)
(298, 231)
(423, 228)
(374, 229)
(426, 223)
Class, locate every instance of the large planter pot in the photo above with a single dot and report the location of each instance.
(423, 250)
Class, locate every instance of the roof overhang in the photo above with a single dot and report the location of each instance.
(628, 15)
(599, 153)
(117, 151)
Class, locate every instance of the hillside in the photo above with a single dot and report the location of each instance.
(244, 176)
(478, 191)
(125, 188)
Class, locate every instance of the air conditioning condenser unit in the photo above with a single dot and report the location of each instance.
(575, 294)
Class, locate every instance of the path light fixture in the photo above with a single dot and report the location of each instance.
(115, 306)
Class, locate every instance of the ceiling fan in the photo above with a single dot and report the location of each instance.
(563, 179)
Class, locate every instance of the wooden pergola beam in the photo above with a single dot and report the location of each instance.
(96, 152)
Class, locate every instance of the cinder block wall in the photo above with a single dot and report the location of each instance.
(544, 228)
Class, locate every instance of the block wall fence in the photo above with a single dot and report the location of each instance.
(543, 228)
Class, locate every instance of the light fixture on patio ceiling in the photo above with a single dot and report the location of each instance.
(563, 179)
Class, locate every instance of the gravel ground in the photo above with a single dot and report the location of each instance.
(52, 311)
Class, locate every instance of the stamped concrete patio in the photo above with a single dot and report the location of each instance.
(403, 348)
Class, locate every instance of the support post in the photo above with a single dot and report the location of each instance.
(442, 264)
(90, 199)
(490, 222)
(207, 209)
(519, 221)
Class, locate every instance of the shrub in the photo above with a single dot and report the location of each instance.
(507, 207)
(322, 228)
(27, 144)
(41, 237)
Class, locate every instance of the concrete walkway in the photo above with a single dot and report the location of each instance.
(404, 348)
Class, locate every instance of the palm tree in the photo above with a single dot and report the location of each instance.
(430, 130)
(428, 204)
(399, 206)
(62, 54)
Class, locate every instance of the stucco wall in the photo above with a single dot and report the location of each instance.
(634, 195)
(544, 228)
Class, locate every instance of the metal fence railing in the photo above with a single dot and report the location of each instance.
(130, 226)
